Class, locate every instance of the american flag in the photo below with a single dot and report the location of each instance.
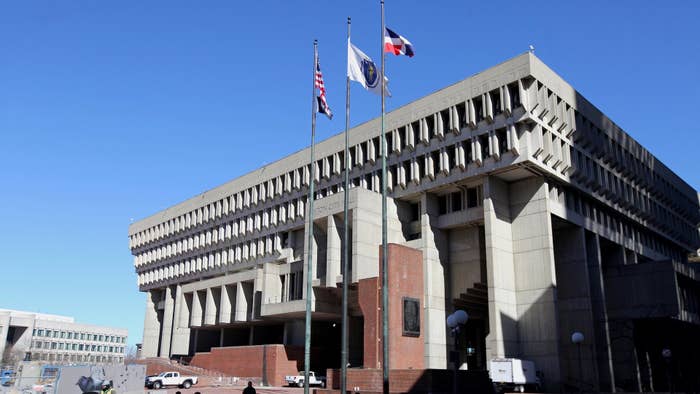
(322, 104)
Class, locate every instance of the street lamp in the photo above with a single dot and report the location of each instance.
(577, 339)
(454, 321)
(666, 354)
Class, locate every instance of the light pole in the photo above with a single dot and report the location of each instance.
(666, 354)
(577, 339)
(454, 321)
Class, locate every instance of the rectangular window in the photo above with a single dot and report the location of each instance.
(40, 333)
(478, 109)
(514, 93)
(442, 204)
(461, 114)
(502, 137)
(415, 211)
(456, 201)
(496, 101)
(484, 142)
(472, 198)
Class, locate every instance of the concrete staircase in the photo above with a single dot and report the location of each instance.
(475, 301)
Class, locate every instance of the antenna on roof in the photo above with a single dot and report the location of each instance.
(532, 48)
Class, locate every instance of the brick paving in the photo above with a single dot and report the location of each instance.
(228, 390)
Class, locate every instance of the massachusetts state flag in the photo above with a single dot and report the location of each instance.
(362, 69)
(396, 44)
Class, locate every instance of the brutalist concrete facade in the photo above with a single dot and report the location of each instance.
(533, 211)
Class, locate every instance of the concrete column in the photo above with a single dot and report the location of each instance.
(151, 325)
(196, 314)
(181, 330)
(624, 355)
(227, 295)
(271, 285)
(313, 247)
(167, 331)
(241, 303)
(334, 244)
(210, 309)
(502, 340)
(574, 307)
(535, 277)
(365, 255)
(606, 378)
(434, 248)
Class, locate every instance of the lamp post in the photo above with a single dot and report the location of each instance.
(577, 339)
(666, 354)
(454, 321)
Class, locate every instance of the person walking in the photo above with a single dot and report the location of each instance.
(250, 389)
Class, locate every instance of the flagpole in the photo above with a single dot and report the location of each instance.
(346, 251)
(309, 290)
(385, 268)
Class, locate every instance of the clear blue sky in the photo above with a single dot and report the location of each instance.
(116, 110)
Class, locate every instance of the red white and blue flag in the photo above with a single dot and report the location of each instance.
(318, 83)
(396, 44)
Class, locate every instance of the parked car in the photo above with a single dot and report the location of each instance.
(298, 380)
(170, 379)
(7, 377)
(512, 374)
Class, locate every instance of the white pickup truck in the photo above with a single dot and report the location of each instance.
(298, 380)
(170, 379)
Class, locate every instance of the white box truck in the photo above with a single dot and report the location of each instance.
(512, 374)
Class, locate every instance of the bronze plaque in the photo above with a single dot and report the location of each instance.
(411, 317)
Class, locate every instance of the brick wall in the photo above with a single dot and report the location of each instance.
(405, 280)
(247, 361)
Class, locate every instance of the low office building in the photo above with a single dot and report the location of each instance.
(510, 196)
(28, 336)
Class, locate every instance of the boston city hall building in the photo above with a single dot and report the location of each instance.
(510, 196)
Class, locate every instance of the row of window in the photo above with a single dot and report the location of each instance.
(74, 358)
(273, 216)
(249, 250)
(559, 155)
(468, 113)
(80, 347)
(633, 160)
(464, 199)
(612, 221)
(444, 160)
(49, 333)
(618, 189)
